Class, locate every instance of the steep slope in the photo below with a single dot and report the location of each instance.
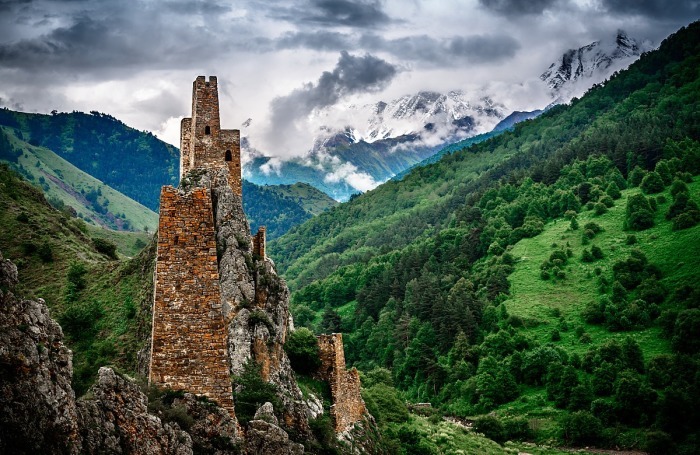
(309, 198)
(133, 162)
(416, 271)
(68, 187)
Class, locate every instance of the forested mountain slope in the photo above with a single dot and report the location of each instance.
(426, 274)
(73, 190)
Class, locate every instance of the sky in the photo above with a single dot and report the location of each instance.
(280, 62)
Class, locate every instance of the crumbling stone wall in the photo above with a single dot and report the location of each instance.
(259, 242)
(203, 144)
(189, 338)
(348, 406)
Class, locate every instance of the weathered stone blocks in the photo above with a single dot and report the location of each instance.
(189, 338)
(348, 406)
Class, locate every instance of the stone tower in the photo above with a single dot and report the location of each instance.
(203, 144)
(189, 341)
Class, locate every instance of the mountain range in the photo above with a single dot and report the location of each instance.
(385, 138)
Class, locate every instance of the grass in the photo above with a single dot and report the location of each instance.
(449, 438)
(117, 289)
(549, 301)
(62, 181)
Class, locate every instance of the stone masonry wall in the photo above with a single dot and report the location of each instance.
(202, 141)
(189, 340)
(259, 242)
(348, 406)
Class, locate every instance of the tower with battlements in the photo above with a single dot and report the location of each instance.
(203, 144)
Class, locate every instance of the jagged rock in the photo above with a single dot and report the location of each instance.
(114, 418)
(314, 406)
(265, 437)
(213, 430)
(8, 273)
(255, 302)
(37, 404)
(267, 413)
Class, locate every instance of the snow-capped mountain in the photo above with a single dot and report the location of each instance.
(580, 68)
(360, 146)
(426, 114)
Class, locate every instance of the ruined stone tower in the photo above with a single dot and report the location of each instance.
(189, 349)
(203, 144)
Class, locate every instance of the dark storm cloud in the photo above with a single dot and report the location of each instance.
(450, 51)
(351, 75)
(518, 7)
(115, 36)
(681, 9)
(331, 13)
(319, 40)
(446, 52)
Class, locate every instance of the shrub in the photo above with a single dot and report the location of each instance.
(596, 252)
(593, 226)
(613, 191)
(586, 256)
(652, 183)
(80, 321)
(45, 252)
(581, 428)
(23, 218)
(517, 429)
(658, 443)
(390, 406)
(635, 176)
(491, 427)
(556, 336)
(631, 239)
(639, 214)
(302, 348)
(105, 247)
(251, 392)
(600, 208)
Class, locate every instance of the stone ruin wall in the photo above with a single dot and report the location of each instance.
(348, 406)
(189, 338)
(259, 242)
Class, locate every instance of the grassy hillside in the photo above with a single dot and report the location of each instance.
(102, 303)
(279, 207)
(67, 186)
(425, 279)
(133, 162)
(309, 198)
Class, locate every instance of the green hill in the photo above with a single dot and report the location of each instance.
(441, 277)
(68, 187)
(78, 158)
(102, 303)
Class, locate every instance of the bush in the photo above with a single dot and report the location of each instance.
(23, 218)
(45, 252)
(517, 429)
(652, 183)
(302, 348)
(389, 405)
(599, 208)
(596, 252)
(491, 427)
(636, 176)
(251, 392)
(581, 428)
(80, 321)
(658, 443)
(105, 247)
(639, 213)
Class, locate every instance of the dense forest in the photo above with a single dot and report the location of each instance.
(421, 273)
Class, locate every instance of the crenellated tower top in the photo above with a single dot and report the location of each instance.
(203, 144)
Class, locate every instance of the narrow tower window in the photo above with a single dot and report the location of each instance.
(228, 155)
(207, 130)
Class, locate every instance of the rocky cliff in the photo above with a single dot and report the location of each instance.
(40, 414)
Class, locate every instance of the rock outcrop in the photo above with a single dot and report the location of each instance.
(38, 413)
(265, 436)
(114, 418)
